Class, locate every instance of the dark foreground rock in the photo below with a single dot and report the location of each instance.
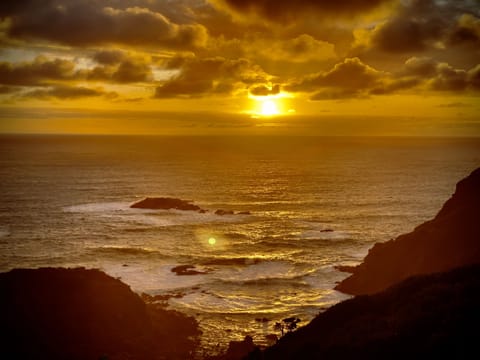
(425, 317)
(165, 203)
(85, 314)
(238, 350)
(450, 240)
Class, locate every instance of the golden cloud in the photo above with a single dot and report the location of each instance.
(211, 76)
(354, 79)
(67, 93)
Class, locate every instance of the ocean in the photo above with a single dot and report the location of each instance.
(313, 202)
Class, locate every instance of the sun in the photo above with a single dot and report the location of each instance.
(274, 105)
(212, 241)
(269, 108)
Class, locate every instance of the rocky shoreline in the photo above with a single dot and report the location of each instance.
(450, 240)
(417, 296)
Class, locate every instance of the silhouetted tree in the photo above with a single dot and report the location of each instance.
(288, 324)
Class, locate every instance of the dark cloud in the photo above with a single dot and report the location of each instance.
(212, 76)
(263, 90)
(179, 60)
(350, 78)
(120, 67)
(67, 93)
(85, 22)
(337, 94)
(449, 79)
(350, 75)
(393, 85)
(426, 25)
(354, 79)
(131, 70)
(40, 71)
(406, 35)
(420, 67)
(474, 77)
(302, 45)
(465, 31)
(7, 89)
(43, 71)
(109, 57)
(286, 10)
(302, 48)
(430, 75)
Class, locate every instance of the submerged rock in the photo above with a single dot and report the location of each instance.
(166, 203)
(54, 313)
(224, 212)
(187, 270)
(450, 240)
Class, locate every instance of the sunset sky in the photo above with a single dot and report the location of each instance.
(344, 67)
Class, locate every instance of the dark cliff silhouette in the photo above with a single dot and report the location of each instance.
(85, 314)
(430, 312)
(432, 316)
(450, 240)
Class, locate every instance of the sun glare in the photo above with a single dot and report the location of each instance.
(212, 241)
(269, 108)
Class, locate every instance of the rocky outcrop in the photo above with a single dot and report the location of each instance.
(165, 203)
(425, 317)
(224, 212)
(450, 240)
(85, 314)
(183, 270)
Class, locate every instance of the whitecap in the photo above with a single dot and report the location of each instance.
(99, 207)
(154, 218)
(267, 270)
(153, 279)
(208, 302)
(324, 234)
